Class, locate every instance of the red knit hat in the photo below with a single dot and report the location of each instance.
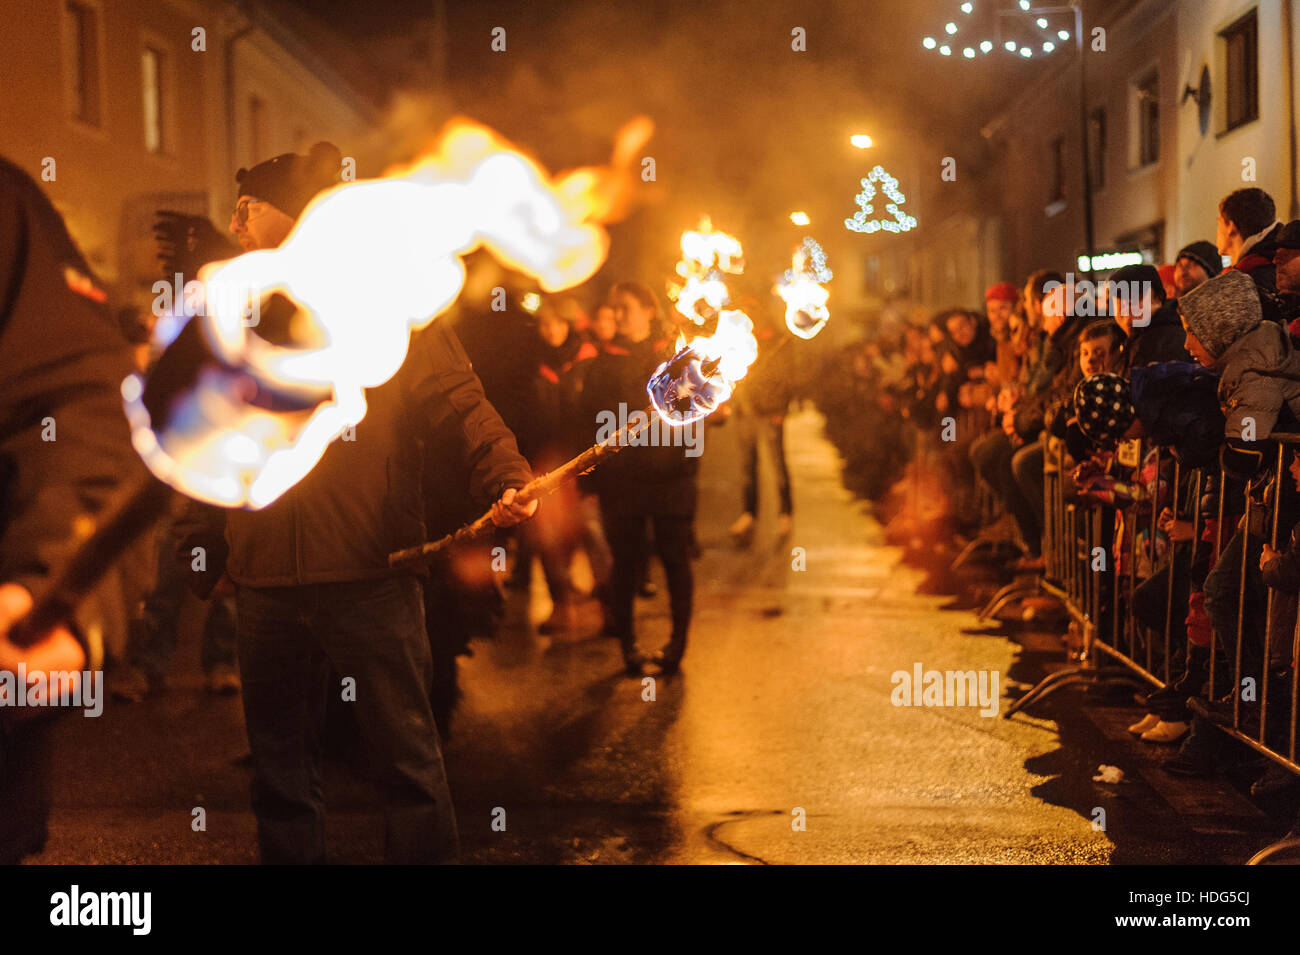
(1001, 292)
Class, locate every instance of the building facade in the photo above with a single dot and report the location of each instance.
(123, 107)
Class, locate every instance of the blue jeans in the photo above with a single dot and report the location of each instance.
(372, 632)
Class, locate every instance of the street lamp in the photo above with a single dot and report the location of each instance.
(861, 140)
(799, 218)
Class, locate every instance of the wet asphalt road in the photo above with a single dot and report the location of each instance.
(782, 712)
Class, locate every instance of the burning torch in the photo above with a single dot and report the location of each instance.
(235, 419)
(803, 291)
(687, 387)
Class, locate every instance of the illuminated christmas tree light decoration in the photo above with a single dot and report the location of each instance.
(862, 221)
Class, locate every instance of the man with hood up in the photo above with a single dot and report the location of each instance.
(1259, 368)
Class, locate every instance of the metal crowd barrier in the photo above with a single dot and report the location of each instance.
(1100, 601)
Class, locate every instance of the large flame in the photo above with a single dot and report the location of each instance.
(367, 263)
(803, 292)
(707, 256)
(704, 372)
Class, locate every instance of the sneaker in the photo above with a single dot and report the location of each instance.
(1276, 780)
(1147, 722)
(1164, 732)
(1196, 755)
(223, 681)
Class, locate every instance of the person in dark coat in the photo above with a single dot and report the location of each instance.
(642, 483)
(1247, 231)
(550, 437)
(62, 361)
(1149, 321)
(312, 581)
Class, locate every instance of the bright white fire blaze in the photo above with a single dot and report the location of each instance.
(703, 374)
(706, 257)
(801, 290)
(367, 263)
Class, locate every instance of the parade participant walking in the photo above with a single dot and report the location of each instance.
(312, 579)
(640, 484)
(62, 362)
(552, 436)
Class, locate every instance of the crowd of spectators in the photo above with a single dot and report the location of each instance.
(1161, 399)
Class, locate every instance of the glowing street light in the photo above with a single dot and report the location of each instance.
(929, 43)
(799, 218)
(862, 140)
(950, 28)
(967, 7)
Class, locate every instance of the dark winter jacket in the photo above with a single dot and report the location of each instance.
(551, 432)
(1162, 339)
(64, 441)
(1051, 384)
(637, 480)
(1178, 405)
(364, 499)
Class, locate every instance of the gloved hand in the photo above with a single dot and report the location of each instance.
(186, 243)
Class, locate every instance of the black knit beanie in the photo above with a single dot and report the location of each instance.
(290, 181)
(1104, 408)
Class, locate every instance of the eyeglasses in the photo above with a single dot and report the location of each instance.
(241, 210)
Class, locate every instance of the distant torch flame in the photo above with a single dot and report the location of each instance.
(367, 263)
(707, 256)
(801, 290)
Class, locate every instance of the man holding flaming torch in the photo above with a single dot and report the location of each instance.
(312, 579)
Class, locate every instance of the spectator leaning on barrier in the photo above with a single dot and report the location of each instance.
(1149, 321)
(1258, 365)
(999, 303)
(1247, 232)
(1196, 262)
(1286, 262)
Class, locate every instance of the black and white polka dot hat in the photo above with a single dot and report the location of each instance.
(1104, 407)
